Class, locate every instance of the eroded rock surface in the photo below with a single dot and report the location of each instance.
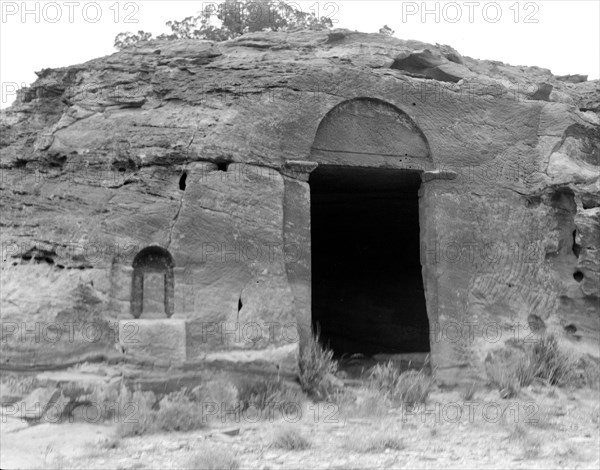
(184, 145)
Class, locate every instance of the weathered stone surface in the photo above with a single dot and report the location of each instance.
(434, 65)
(93, 159)
(542, 92)
(34, 405)
(161, 342)
(575, 78)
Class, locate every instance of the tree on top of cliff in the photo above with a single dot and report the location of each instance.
(386, 30)
(233, 18)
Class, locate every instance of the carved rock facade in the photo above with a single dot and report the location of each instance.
(454, 205)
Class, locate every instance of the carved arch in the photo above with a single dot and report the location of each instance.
(152, 259)
(370, 132)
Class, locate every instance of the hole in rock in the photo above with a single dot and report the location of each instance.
(533, 201)
(39, 255)
(240, 304)
(564, 199)
(576, 246)
(57, 161)
(182, 181)
(536, 323)
(570, 329)
(367, 288)
(589, 202)
(578, 276)
(125, 165)
(222, 166)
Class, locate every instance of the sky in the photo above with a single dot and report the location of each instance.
(563, 36)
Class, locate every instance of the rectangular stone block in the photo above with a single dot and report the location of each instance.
(159, 341)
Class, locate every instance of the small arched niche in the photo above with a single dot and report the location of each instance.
(370, 132)
(152, 260)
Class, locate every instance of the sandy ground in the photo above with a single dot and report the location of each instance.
(543, 428)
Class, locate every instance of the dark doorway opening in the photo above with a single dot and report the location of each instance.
(367, 287)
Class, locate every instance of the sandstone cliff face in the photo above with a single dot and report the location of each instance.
(189, 145)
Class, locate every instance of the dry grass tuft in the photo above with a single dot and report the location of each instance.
(364, 402)
(543, 361)
(406, 388)
(176, 412)
(550, 363)
(289, 438)
(469, 391)
(368, 441)
(317, 369)
(266, 393)
(209, 458)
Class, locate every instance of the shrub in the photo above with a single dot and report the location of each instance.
(53, 459)
(208, 458)
(176, 412)
(289, 438)
(385, 378)
(17, 384)
(364, 402)
(509, 370)
(588, 369)
(216, 391)
(379, 441)
(109, 443)
(507, 376)
(216, 397)
(317, 369)
(468, 391)
(544, 361)
(266, 393)
(413, 387)
(550, 363)
(410, 387)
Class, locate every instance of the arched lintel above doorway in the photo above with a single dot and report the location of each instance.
(370, 133)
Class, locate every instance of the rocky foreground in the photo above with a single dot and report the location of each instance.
(545, 428)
